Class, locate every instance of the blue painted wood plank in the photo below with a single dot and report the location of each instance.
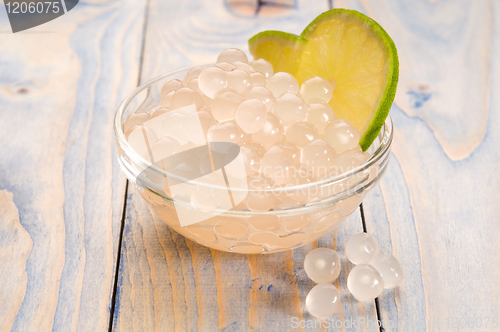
(436, 208)
(60, 85)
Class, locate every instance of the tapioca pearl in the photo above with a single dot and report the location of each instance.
(316, 88)
(263, 66)
(293, 151)
(165, 147)
(135, 119)
(290, 109)
(158, 112)
(361, 248)
(232, 55)
(342, 136)
(319, 157)
(240, 81)
(141, 138)
(167, 99)
(281, 83)
(203, 201)
(277, 165)
(174, 127)
(259, 197)
(244, 66)
(251, 115)
(225, 104)
(252, 154)
(224, 132)
(192, 126)
(322, 265)
(226, 66)
(323, 300)
(212, 80)
(265, 222)
(230, 228)
(365, 283)
(349, 160)
(390, 269)
(301, 133)
(191, 74)
(172, 85)
(320, 115)
(263, 94)
(271, 132)
(186, 96)
(258, 79)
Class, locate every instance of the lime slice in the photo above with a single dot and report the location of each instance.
(359, 58)
(281, 49)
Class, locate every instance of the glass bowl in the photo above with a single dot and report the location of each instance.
(296, 215)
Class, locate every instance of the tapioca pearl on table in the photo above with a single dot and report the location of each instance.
(323, 300)
(263, 94)
(365, 283)
(172, 85)
(301, 133)
(290, 108)
(251, 115)
(271, 132)
(232, 55)
(320, 114)
(281, 83)
(319, 157)
(342, 136)
(322, 265)
(361, 248)
(316, 88)
(390, 269)
(225, 104)
(277, 165)
(264, 67)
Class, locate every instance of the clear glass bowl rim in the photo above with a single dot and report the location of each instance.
(381, 151)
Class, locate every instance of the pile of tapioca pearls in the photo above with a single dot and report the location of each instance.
(374, 272)
(287, 134)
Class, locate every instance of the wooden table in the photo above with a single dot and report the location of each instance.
(79, 250)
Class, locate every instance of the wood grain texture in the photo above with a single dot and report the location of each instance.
(59, 87)
(436, 208)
